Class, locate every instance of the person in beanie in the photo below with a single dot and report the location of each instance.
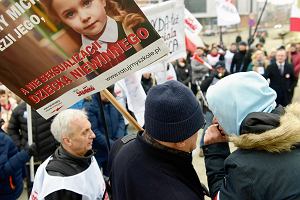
(267, 161)
(158, 163)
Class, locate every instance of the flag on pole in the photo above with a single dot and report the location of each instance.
(295, 17)
(200, 60)
(227, 13)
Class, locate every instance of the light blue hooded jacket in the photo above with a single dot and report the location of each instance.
(232, 98)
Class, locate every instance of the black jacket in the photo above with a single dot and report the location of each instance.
(239, 62)
(183, 73)
(17, 129)
(64, 164)
(265, 165)
(282, 84)
(148, 171)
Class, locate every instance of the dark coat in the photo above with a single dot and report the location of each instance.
(42, 137)
(282, 84)
(114, 121)
(146, 171)
(183, 73)
(265, 166)
(239, 62)
(12, 163)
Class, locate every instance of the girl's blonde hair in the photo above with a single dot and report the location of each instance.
(112, 8)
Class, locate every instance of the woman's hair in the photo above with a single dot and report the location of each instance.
(256, 62)
(112, 8)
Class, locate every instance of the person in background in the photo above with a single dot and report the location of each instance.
(199, 70)
(259, 62)
(229, 55)
(213, 57)
(162, 155)
(18, 130)
(282, 78)
(7, 106)
(115, 125)
(238, 60)
(218, 73)
(72, 172)
(266, 163)
(12, 164)
(147, 81)
(183, 71)
(294, 56)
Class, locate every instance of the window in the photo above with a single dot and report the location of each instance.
(196, 6)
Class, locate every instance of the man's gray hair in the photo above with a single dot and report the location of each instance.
(63, 122)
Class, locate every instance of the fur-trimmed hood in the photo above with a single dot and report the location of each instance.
(281, 139)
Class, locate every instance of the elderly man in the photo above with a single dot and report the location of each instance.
(72, 165)
(158, 163)
(267, 161)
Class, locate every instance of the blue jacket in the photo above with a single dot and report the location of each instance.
(114, 121)
(11, 165)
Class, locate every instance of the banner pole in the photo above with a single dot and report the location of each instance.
(30, 139)
(121, 109)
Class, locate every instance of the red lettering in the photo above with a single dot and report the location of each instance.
(133, 39)
(142, 33)
(124, 44)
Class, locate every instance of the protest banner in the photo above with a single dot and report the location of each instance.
(168, 20)
(192, 30)
(106, 47)
(227, 13)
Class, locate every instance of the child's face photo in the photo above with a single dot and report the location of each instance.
(87, 17)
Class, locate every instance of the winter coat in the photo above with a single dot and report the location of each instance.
(199, 71)
(147, 171)
(12, 163)
(296, 63)
(42, 137)
(183, 73)
(238, 62)
(266, 163)
(282, 84)
(64, 164)
(115, 124)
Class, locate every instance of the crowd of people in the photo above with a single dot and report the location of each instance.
(90, 151)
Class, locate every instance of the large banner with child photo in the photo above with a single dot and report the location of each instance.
(54, 53)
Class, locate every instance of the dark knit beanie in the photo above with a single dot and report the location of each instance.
(172, 112)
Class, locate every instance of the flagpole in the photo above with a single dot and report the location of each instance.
(221, 36)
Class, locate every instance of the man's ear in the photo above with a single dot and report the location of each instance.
(67, 141)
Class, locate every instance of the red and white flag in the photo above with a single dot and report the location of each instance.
(200, 60)
(295, 17)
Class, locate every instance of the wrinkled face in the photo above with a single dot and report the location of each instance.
(87, 17)
(281, 56)
(82, 138)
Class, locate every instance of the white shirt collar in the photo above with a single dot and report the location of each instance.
(110, 33)
(280, 64)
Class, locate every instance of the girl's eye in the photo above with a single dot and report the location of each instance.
(87, 2)
(69, 14)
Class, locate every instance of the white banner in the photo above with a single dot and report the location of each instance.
(227, 13)
(168, 20)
